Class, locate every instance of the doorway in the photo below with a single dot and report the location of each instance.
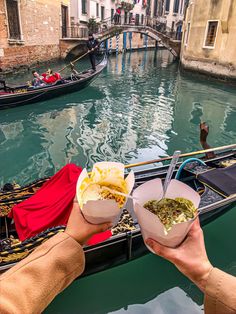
(64, 21)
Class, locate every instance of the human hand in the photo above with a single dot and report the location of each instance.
(190, 257)
(81, 230)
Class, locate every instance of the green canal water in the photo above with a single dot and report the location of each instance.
(141, 107)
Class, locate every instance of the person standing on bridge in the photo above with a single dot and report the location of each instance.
(117, 17)
(92, 45)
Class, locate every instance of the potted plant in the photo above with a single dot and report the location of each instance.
(93, 25)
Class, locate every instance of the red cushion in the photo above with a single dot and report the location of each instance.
(50, 206)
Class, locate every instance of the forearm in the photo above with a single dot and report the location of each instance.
(34, 282)
(220, 293)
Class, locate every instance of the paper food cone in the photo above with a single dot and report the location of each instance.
(151, 226)
(100, 211)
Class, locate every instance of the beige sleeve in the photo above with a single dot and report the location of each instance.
(33, 283)
(220, 294)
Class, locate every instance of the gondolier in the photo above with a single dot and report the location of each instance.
(92, 45)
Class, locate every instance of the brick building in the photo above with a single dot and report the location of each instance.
(30, 31)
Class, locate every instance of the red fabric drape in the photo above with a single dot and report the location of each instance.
(50, 206)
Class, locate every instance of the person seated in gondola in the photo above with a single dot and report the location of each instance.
(37, 80)
(49, 77)
(92, 45)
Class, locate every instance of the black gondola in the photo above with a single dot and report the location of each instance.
(13, 96)
(127, 243)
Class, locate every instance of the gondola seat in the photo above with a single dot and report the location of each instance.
(59, 82)
(221, 180)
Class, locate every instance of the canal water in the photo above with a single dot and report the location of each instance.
(141, 107)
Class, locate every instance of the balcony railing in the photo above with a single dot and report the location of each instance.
(74, 32)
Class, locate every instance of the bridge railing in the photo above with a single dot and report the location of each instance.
(121, 21)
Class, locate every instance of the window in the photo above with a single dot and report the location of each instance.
(176, 6)
(112, 13)
(137, 19)
(181, 7)
(142, 18)
(155, 8)
(160, 9)
(84, 6)
(210, 36)
(167, 7)
(97, 9)
(13, 19)
(187, 34)
(102, 13)
(148, 9)
(64, 20)
(126, 17)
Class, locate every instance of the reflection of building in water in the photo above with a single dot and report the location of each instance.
(58, 134)
(42, 144)
(11, 130)
(139, 61)
(105, 140)
(165, 302)
(200, 107)
(229, 122)
(124, 131)
(21, 152)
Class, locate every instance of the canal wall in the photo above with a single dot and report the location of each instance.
(211, 68)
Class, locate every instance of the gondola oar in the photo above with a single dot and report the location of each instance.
(142, 163)
(76, 60)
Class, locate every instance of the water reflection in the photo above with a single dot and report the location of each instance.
(139, 108)
(171, 301)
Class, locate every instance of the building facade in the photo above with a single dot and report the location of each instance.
(170, 12)
(104, 10)
(208, 44)
(30, 31)
(174, 13)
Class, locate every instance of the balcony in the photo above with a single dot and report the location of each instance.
(74, 32)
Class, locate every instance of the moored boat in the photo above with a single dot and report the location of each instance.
(203, 175)
(13, 96)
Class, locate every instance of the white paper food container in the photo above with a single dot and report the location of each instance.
(151, 226)
(100, 211)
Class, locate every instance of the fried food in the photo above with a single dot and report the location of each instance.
(172, 211)
(102, 185)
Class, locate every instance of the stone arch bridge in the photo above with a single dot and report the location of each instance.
(154, 30)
